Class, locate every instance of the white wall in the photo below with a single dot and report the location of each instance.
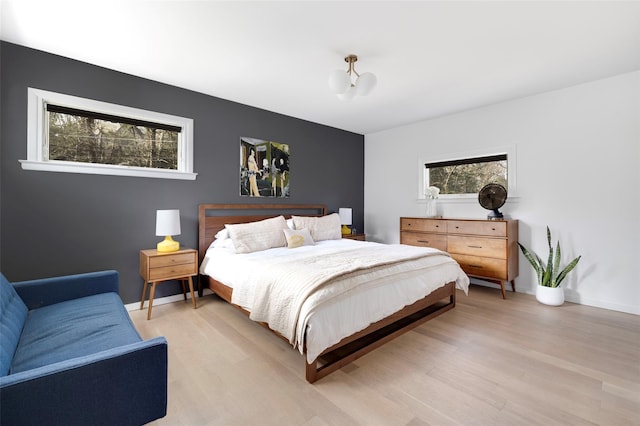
(578, 171)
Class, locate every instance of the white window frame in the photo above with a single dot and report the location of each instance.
(464, 198)
(37, 138)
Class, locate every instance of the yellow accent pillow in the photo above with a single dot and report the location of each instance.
(298, 238)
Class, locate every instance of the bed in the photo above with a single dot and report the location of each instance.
(350, 296)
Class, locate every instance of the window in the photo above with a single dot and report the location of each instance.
(467, 175)
(76, 135)
(462, 176)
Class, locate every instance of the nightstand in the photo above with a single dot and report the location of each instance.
(159, 267)
(359, 237)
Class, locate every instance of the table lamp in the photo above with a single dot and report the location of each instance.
(168, 224)
(345, 220)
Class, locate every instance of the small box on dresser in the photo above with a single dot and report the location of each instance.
(486, 249)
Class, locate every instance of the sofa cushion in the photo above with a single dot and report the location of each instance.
(13, 314)
(72, 329)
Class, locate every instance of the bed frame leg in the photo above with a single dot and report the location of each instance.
(312, 371)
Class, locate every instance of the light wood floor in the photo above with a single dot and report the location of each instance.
(487, 362)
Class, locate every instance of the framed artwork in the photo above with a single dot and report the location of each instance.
(264, 168)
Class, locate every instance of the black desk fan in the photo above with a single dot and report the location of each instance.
(493, 196)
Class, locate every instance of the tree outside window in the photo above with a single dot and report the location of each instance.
(79, 136)
(468, 175)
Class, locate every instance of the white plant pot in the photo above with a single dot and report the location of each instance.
(553, 296)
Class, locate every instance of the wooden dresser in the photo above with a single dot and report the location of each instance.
(486, 249)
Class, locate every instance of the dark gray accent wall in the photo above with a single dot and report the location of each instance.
(63, 223)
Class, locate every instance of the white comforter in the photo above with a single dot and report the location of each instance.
(338, 293)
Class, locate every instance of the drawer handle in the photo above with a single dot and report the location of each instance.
(423, 241)
(476, 266)
(478, 247)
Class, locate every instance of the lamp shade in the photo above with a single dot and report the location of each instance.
(348, 95)
(167, 222)
(339, 81)
(345, 216)
(365, 83)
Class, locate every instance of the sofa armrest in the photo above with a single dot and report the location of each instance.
(48, 291)
(124, 386)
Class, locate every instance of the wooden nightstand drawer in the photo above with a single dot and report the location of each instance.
(173, 271)
(171, 259)
(482, 266)
(358, 237)
(438, 241)
(487, 228)
(478, 246)
(425, 225)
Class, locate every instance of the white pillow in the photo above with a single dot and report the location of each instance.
(257, 236)
(298, 238)
(222, 234)
(223, 243)
(320, 228)
(290, 224)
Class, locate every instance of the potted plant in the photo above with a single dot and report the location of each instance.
(549, 275)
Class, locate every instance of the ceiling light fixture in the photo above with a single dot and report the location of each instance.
(340, 82)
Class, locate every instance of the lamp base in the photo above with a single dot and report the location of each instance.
(345, 230)
(168, 245)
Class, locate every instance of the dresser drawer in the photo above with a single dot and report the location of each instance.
(495, 228)
(438, 241)
(171, 259)
(482, 266)
(166, 272)
(419, 224)
(477, 246)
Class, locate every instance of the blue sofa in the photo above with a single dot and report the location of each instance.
(70, 355)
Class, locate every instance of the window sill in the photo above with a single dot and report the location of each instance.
(103, 169)
(465, 199)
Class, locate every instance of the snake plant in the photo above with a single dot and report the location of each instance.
(549, 275)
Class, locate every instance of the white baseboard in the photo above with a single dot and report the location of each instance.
(163, 300)
(568, 297)
(573, 298)
(627, 309)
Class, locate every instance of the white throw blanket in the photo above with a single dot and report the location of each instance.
(281, 289)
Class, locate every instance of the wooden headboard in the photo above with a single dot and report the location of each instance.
(213, 217)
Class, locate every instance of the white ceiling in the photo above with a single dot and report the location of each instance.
(431, 58)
